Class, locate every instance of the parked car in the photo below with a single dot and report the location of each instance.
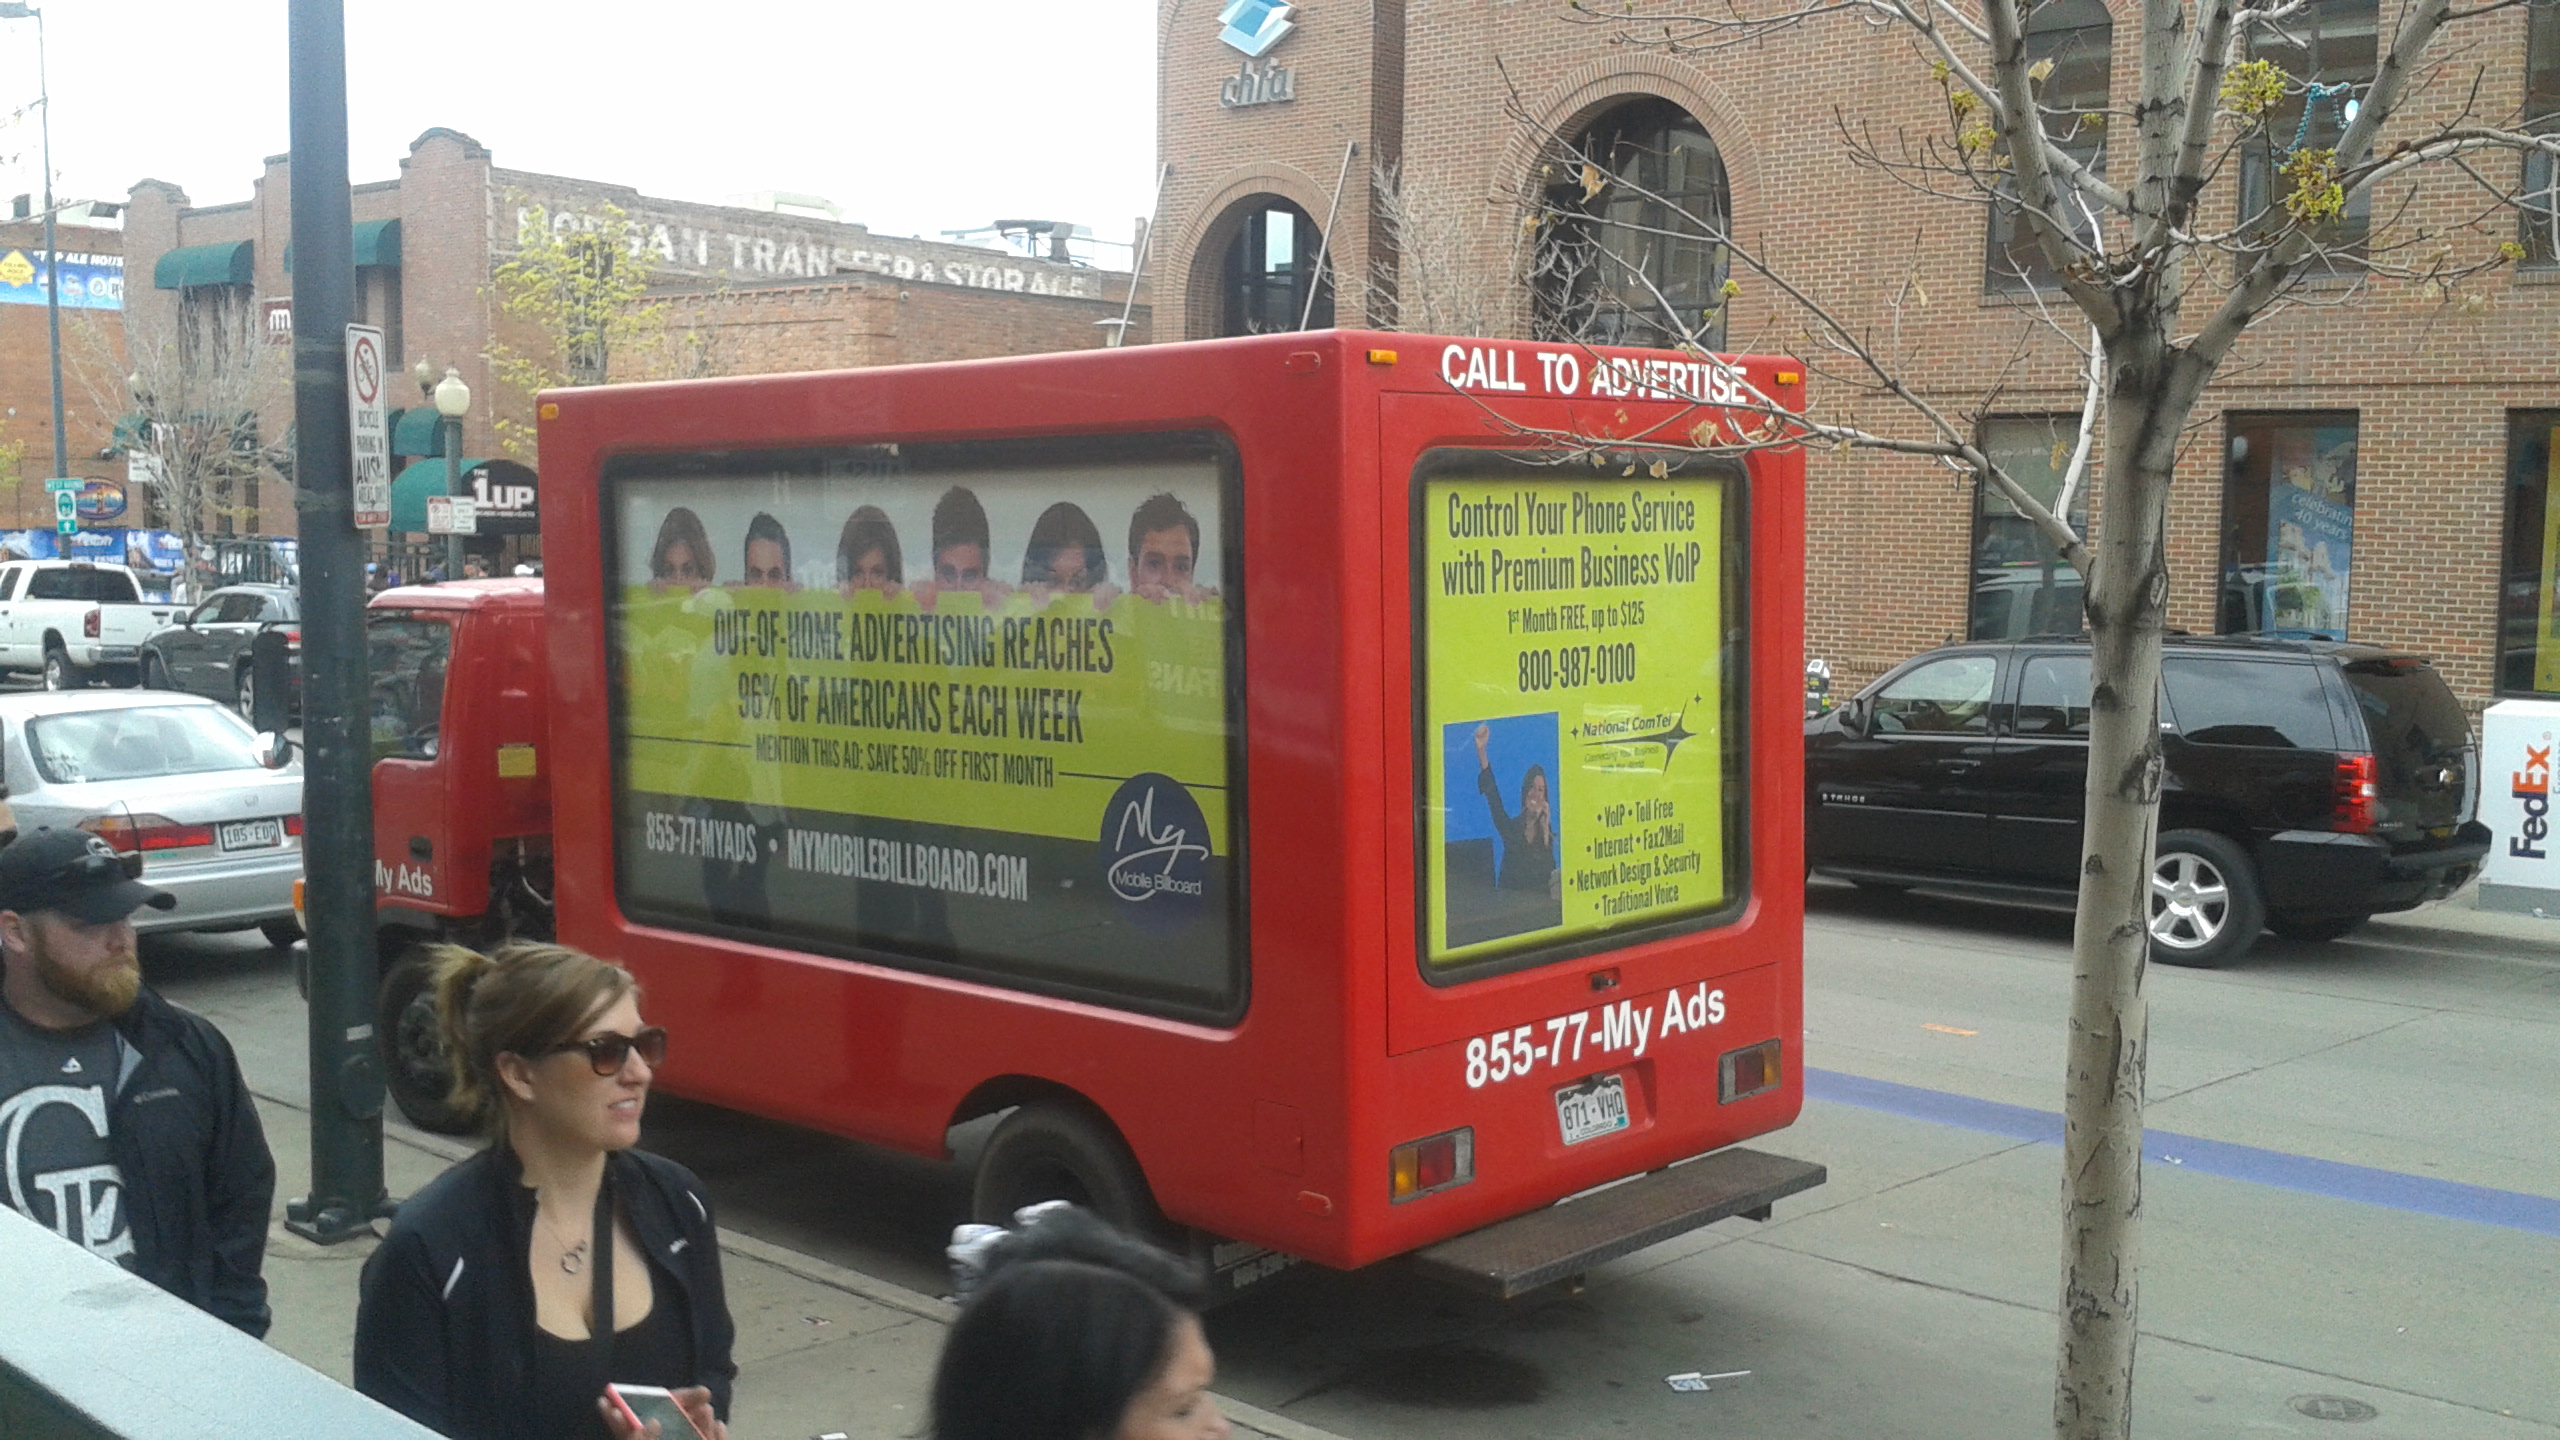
(177, 783)
(207, 651)
(2309, 784)
(74, 620)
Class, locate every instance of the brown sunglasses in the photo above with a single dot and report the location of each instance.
(609, 1052)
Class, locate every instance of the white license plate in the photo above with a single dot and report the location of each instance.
(250, 834)
(1596, 1107)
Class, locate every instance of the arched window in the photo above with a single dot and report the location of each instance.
(1269, 269)
(2075, 37)
(1640, 259)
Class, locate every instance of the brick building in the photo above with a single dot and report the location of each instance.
(2376, 461)
(92, 338)
(753, 291)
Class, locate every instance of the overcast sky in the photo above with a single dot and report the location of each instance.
(916, 118)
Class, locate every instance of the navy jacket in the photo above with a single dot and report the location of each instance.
(198, 1180)
(444, 1322)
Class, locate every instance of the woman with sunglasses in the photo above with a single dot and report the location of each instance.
(520, 1282)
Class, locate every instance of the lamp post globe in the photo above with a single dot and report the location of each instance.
(453, 401)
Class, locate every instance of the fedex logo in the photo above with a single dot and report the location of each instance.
(2533, 794)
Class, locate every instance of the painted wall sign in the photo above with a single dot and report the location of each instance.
(99, 500)
(89, 282)
(699, 241)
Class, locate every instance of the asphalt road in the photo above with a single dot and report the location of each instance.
(2349, 1213)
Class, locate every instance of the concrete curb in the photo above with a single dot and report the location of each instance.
(852, 1282)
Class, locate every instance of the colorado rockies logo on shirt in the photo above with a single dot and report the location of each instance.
(82, 1203)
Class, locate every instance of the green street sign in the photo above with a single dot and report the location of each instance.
(61, 483)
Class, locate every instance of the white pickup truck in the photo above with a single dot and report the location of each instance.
(74, 619)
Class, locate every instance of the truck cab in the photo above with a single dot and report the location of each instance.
(461, 798)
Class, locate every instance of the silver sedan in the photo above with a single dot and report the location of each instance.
(173, 779)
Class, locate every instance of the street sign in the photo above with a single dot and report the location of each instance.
(66, 510)
(60, 483)
(453, 515)
(368, 433)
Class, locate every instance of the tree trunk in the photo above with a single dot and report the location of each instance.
(2110, 1018)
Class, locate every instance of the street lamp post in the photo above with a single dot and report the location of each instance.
(453, 401)
(19, 10)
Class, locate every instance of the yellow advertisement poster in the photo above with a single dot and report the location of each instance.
(2546, 635)
(1572, 735)
(963, 726)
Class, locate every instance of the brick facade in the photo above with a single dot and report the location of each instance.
(92, 340)
(1468, 95)
(747, 291)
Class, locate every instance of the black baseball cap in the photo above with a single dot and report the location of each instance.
(74, 872)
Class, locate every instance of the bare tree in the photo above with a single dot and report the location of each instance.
(1423, 283)
(2120, 211)
(195, 378)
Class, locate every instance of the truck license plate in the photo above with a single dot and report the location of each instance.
(251, 835)
(1596, 1107)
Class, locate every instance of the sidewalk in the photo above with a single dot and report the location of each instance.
(821, 1349)
(2458, 923)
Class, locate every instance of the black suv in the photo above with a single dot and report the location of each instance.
(2309, 784)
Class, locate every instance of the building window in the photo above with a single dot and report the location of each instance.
(2541, 199)
(2529, 589)
(2075, 35)
(1273, 262)
(2288, 524)
(1640, 260)
(2021, 586)
(2329, 48)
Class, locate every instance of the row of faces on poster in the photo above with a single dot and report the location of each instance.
(1147, 530)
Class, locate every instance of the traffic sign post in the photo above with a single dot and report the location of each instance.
(66, 510)
(368, 432)
(453, 515)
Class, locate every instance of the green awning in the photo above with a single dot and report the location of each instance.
(230, 263)
(377, 242)
(411, 487)
(418, 430)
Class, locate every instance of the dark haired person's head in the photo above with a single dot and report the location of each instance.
(867, 555)
(1164, 546)
(682, 555)
(959, 539)
(1078, 1333)
(1065, 550)
(768, 553)
(546, 1038)
(1535, 803)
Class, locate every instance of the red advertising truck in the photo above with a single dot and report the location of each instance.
(1334, 795)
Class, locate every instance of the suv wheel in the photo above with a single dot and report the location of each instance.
(2205, 905)
(2315, 928)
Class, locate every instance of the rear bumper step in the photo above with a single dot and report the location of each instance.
(1515, 1256)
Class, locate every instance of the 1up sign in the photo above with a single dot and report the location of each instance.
(367, 433)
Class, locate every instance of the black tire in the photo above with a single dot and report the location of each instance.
(2206, 907)
(248, 694)
(155, 675)
(1057, 1150)
(60, 673)
(414, 1064)
(2315, 929)
(281, 931)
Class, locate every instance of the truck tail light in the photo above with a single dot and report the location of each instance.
(1751, 1070)
(135, 834)
(1438, 1162)
(2354, 812)
(93, 624)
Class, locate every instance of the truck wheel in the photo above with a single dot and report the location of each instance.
(2205, 907)
(414, 1063)
(1054, 1150)
(2326, 927)
(60, 673)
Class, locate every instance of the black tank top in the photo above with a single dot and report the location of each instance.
(568, 1375)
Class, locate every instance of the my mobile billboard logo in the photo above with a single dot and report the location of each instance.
(2533, 796)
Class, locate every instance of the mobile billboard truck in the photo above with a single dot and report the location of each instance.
(1320, 822)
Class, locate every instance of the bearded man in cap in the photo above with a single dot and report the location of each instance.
(125, 1125)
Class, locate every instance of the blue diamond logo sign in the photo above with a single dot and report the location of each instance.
(1254, 26)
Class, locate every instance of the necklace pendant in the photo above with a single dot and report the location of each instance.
(574, 1259)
